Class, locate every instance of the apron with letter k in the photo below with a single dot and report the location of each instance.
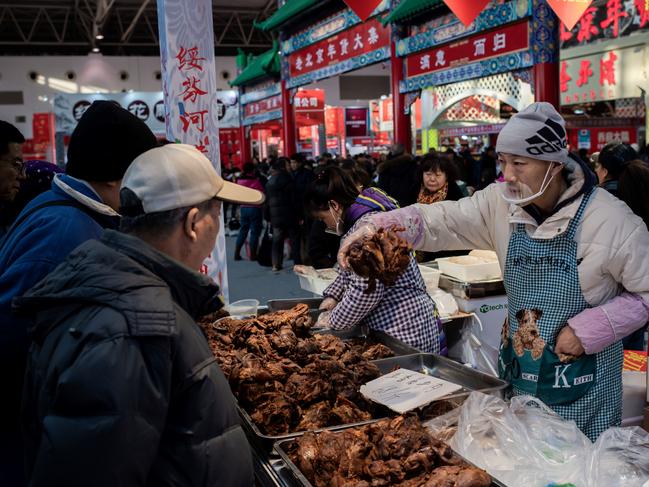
(543, 289)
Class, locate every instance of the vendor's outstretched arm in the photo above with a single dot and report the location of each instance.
(448, 225)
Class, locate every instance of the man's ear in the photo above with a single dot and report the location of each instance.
(189, 225)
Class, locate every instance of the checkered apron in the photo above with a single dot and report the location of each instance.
(543, 274)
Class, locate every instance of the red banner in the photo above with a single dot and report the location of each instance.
(309, 107)
(360, 39)
(356, 122)
(508, 39)
(263, 106)
(41, 127)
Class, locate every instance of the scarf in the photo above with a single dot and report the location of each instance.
(426, 197)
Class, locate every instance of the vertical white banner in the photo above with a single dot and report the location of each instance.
(190, 96)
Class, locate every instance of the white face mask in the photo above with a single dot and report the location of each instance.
(339, 225)
(520, 193)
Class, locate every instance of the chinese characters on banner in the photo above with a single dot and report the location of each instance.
(356, 122)
(360, 39)
(602, 76)
(505, 40)
(309, 107)
(594, 139)
(607, 19)
(190, 96)
(263, 106)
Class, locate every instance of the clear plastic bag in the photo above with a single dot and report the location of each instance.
(620, 458)
(471, 350)
(522, 444)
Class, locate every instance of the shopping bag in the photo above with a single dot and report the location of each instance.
(265, 252)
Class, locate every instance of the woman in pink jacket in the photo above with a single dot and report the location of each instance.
(251, 215)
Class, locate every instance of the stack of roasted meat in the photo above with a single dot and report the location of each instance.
(382, 256)
(289, 380)
(396, 452)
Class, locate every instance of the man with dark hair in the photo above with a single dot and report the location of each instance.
(121, 386)
(12, 170)
(79, 206)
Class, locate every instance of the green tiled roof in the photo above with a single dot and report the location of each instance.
(287, 11)
(409, 8)
(266, 64)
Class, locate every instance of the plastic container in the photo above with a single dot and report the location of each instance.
(244, 308)
(469, 272)
(430, 276)
(313, 284)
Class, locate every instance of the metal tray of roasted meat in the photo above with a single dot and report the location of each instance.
(281, 448)
(372, 337)
(286, 304)
(446, 369)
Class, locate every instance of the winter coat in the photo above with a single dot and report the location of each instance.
(30, 252)
(250, 181)
(280, 200)
(302, 178)
(399, 177)
(121, 386)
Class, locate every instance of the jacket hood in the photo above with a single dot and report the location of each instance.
(370, 200)
(121, 272)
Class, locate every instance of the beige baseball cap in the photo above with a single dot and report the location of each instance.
(178, 175)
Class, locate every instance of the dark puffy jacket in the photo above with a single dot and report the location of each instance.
(399, 177)
(281, 207)
(121, 386)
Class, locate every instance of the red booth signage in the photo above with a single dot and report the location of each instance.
(505, 40)
(356, 122)
(263, 106)
(360, 39)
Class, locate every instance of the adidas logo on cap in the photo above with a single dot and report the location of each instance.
(549, 139)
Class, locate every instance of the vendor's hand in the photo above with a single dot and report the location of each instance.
(323, 320)
(568, 343)
(328, 304)
(365, 230)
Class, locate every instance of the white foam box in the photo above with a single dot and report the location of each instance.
(469, 273)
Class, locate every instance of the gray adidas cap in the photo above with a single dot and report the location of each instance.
(538, 132)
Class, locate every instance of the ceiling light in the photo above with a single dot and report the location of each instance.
(578, 111)
(95, 49)
(99, 37)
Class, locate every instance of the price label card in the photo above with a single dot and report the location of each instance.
(404, 390)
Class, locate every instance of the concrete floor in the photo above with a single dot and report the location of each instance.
(250, 280)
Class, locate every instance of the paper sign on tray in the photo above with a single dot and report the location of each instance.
(404, 390)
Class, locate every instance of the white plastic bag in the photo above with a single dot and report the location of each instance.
(526, 444)
(471, 350)
(620, 458)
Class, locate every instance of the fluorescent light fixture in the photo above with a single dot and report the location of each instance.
(99, 37)
(95, 49)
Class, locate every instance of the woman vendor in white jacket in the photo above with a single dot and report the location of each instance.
(575, 265)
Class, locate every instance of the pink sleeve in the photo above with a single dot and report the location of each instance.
(408, 218)
(599, 327)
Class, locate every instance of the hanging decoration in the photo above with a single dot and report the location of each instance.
(466, 11)
(363, 8)
(569, 11)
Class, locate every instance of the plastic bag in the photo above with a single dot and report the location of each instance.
(323, 320)
(525, 444)
(620, 458)
(471, 350)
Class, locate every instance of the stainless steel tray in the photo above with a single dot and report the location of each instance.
(446, 369)
(281, 447)
(471, 290)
